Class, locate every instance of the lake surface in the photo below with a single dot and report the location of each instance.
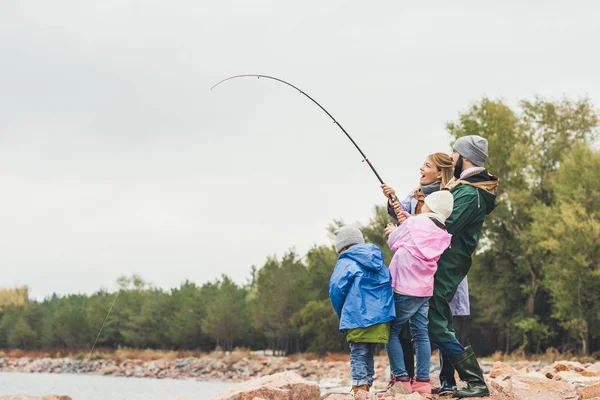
(95, 387)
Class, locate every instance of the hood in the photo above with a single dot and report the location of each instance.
(488, 184)
(421, 237)
(367, 255)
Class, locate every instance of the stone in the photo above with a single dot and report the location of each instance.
(282, 386)
(26, 397)
(362, 395)
(500, 368)
(524, 387)
(398, 388)
(559, 366)
(568, 366)
(337, 396)
(592, 367)
(588, 373)
(412, 396)
(576, 378)
(590, 392)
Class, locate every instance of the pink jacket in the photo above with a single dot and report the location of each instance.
(417, 245)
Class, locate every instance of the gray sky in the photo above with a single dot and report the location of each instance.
(115, 158)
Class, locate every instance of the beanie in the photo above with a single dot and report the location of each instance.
(441, 204)
(347, 235)
(472, 147)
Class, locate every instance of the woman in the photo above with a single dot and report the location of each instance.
(436, 172)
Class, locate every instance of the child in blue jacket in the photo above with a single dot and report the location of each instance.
(360, 290)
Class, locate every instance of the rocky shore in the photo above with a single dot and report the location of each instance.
(516, 380)
(207, 369)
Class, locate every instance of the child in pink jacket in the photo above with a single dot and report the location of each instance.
(417, 244)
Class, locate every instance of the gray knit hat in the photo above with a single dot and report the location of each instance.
(347, 235)
(472, 147)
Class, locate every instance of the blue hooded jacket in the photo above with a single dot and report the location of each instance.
(360, 288)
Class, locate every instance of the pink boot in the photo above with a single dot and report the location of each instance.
(405, 380)
(421, 386)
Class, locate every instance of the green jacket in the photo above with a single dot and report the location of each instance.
(474, 199)
(379, 333)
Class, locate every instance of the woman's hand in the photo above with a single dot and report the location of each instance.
(388, 191)
(397, 209)
(402, 215)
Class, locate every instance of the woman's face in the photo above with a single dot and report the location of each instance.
(429, 173)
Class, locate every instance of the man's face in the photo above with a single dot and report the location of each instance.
(455, 156)
(458, 164)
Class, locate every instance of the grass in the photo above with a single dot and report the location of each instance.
(551, 355)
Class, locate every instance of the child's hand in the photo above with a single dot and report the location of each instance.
(389, 229)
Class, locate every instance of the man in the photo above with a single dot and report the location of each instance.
(474, 192)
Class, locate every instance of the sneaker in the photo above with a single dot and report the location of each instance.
(392, 383)
(406, 382)
(446, 389)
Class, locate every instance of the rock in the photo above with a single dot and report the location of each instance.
(568, 366)
(25, 397)
(524, 387)
(109, 370)
(337, 396)
(576, 378)
(590, 392)
(501, 368)
(593, 367)
(412, 396)
(282, 386)
(362, 395)
(559, 366)
(588, 373)
(397, 389)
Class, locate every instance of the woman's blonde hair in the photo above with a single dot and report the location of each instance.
(443, 163)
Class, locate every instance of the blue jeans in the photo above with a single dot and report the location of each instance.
(414, 310)
(450, 348)
(362, 365)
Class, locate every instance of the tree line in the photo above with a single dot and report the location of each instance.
(534, 283)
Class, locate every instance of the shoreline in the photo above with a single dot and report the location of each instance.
(506, 380)
(189, 368)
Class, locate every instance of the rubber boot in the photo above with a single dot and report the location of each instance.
(447, 380)
(469, 371)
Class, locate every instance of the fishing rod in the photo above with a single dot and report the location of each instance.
(365, 159)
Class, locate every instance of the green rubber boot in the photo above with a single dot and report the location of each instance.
(469, 371)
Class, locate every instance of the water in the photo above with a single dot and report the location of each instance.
(95, 387)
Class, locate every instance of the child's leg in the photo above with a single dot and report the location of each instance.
(394, 348)
(359, 353)
(370, 364)
(408, 349)
(418, 330)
